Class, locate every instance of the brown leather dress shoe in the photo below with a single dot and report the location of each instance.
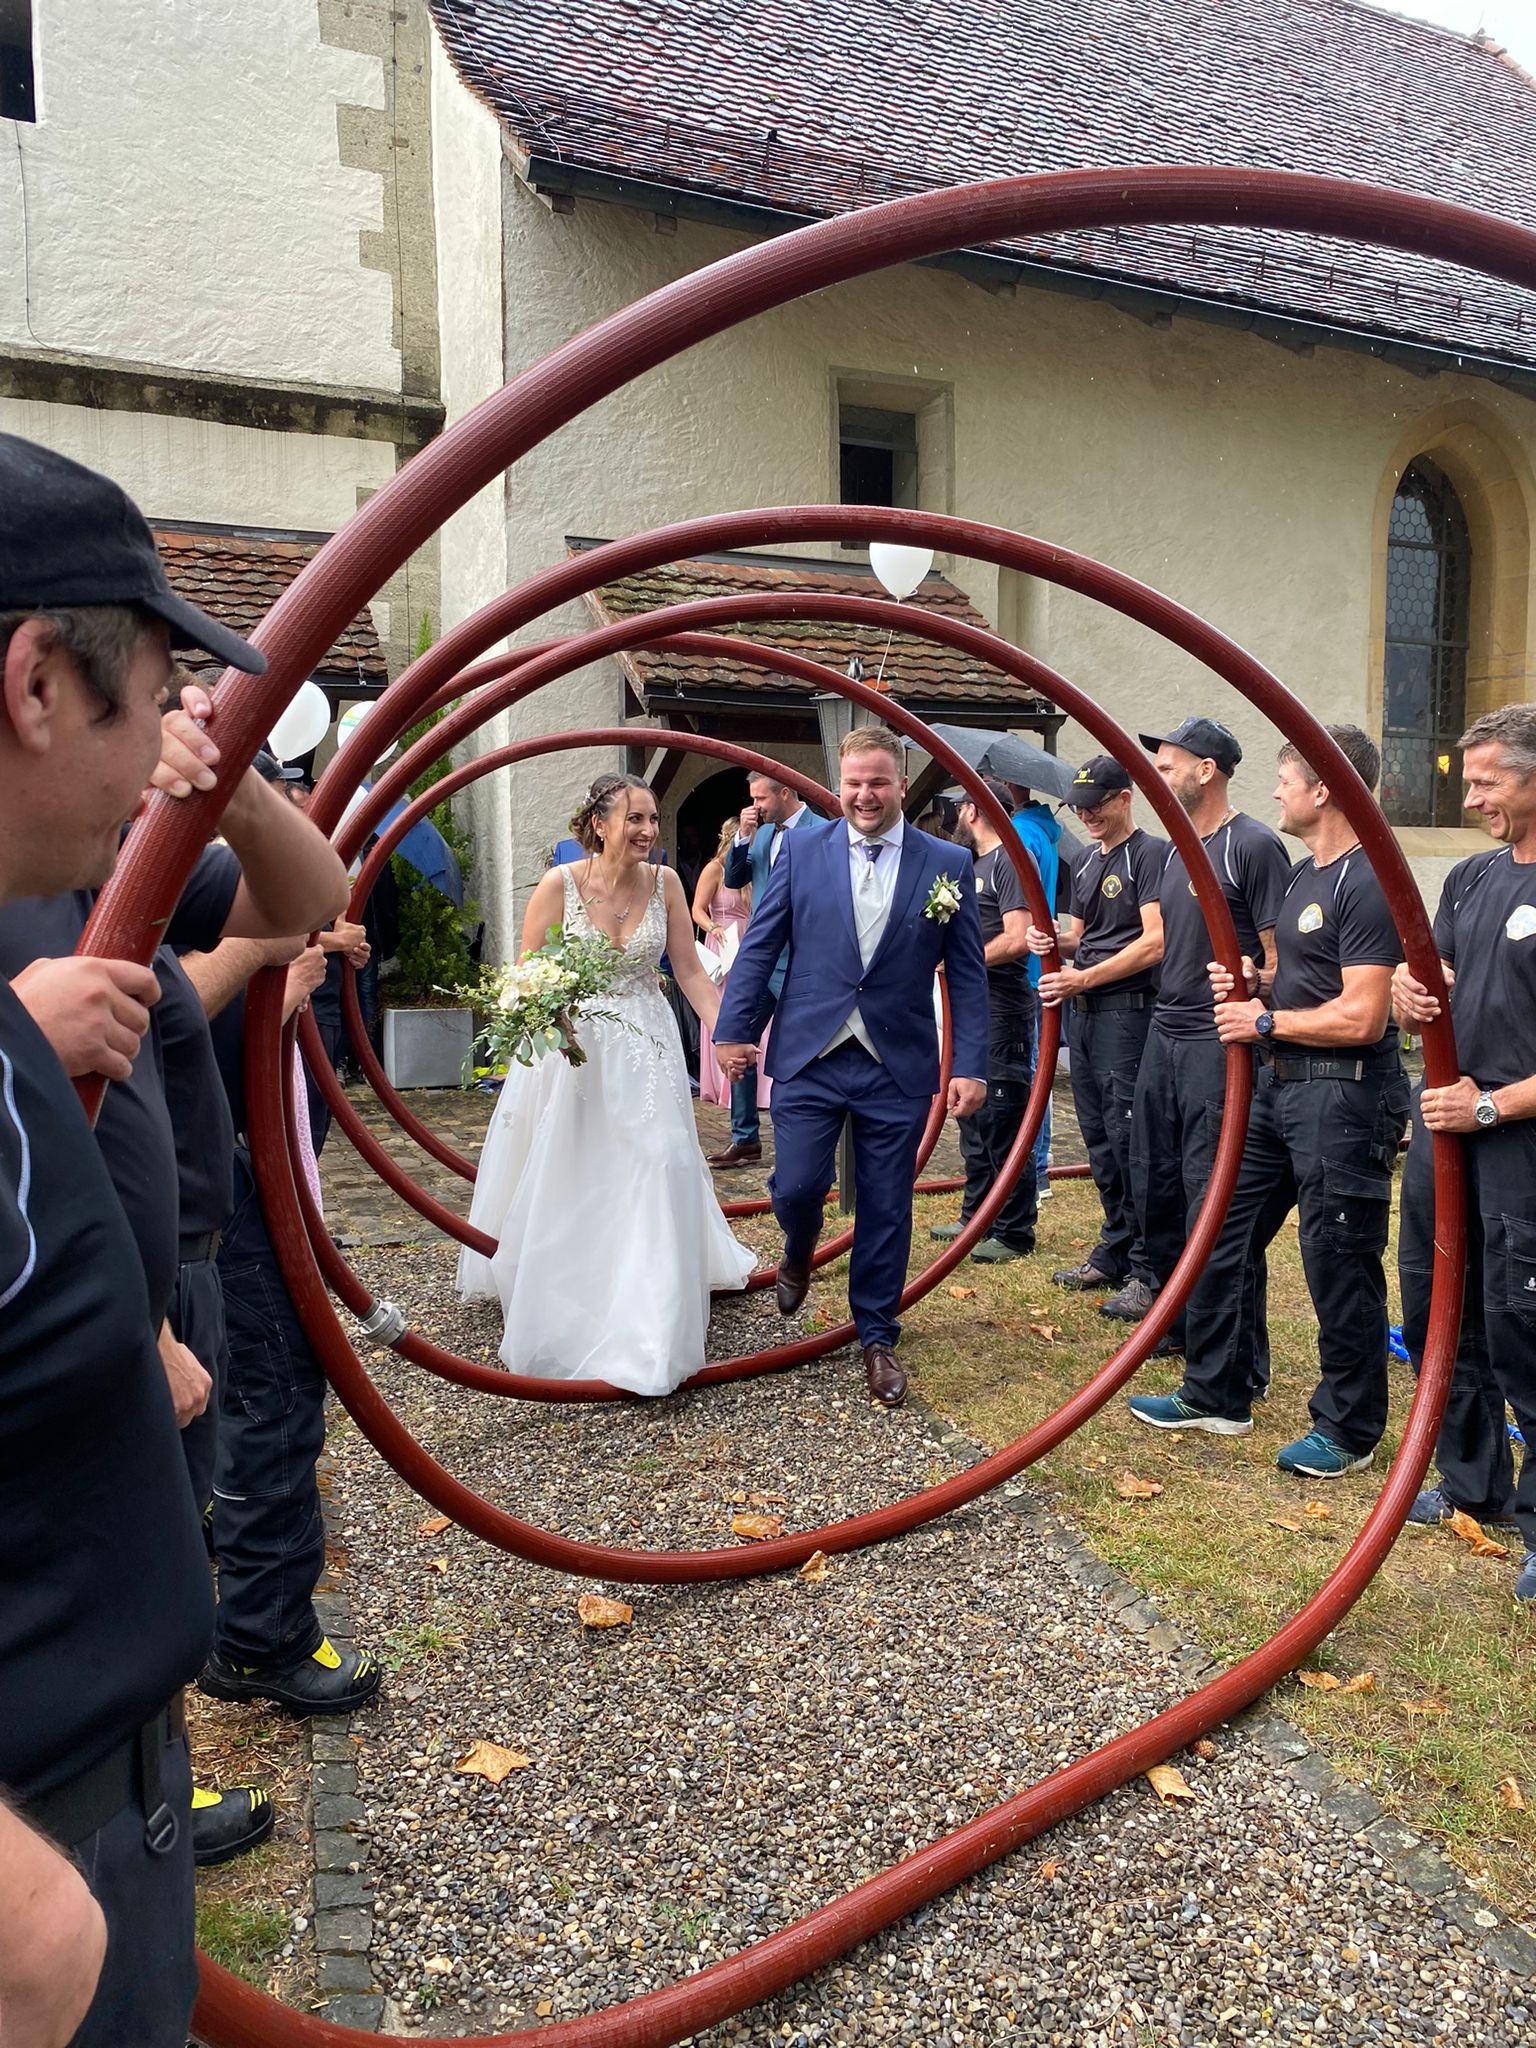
(887, 1381)
(738, 1155)
(792, 1285)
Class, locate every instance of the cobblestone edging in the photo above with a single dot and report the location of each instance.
(343, 1886)
(1407, 1856)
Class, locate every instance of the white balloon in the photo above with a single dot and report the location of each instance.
(302, 725)
(348, 723)
(899, 569)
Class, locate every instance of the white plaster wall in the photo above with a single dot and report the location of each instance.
(181, 201)
(1236, 476)
(200, 469)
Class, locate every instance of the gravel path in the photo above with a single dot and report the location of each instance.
(741, 1754)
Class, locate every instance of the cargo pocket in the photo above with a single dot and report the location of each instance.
(1520, 1268)
(261, 1375)
(1356, 1206)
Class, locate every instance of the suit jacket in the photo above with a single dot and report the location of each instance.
(749, 865)
(806, 910)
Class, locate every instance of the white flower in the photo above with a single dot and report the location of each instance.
(943, 899)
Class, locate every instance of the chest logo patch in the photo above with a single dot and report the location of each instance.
(1112, 885)
(1521, 922)
(1311, 919)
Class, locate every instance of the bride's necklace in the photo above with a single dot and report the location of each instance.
(592, 894)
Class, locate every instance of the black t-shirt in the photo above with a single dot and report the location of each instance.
(1332, 918)
(105, 1607)
(998, 892)
(1486, 929)
(1109, 892)
(1253, 868)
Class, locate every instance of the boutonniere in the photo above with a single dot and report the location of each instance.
(943, 899)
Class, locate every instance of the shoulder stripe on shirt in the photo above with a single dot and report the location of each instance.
(23, 1180)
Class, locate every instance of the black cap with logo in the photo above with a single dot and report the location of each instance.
(1205, 738)
(1096, 779)
(69, 537)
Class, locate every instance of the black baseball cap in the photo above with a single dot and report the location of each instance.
(1096, 779)
(1205, 738)
(71, 537)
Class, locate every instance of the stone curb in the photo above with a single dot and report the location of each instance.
(1409, 1857)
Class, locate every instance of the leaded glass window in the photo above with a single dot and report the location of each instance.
(1429, 580)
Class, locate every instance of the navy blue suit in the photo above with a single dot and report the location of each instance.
(749, 866)
(806, 913)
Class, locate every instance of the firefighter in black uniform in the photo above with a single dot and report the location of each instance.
(1112, 940)
(1329, 1106)
(1485, 930)
(1176, 1120)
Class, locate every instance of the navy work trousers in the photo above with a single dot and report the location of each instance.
(986, 1137)
(1107, 1045)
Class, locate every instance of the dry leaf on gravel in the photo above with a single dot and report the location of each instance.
(963, 1293)
(439, 1966)
(490, 1761)
(1169, 1784)
(1284, 1522)
(1511, 1796)
(1048, 1871)
(434, 1525)
(1320, 1681)
(760, 1528)
(1471, 1533)
(766, 1500)
(594, 1611)
(815, 1568)
(1129, 1487)
(1425, 1707)
(1317, 1511)
(437, 1564)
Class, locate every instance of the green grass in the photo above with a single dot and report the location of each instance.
(244, 1938)
(1436, 1624)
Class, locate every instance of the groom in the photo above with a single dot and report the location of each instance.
(863, 907)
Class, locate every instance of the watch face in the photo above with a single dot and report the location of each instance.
(1485, 1113)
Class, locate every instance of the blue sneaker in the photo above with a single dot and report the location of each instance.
(1172, 1411)
(1525, 1585)
(1318, 1457)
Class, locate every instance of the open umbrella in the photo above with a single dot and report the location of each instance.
(429, 853)
(1009, 758)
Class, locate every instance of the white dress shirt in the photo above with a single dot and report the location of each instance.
(873, 886)
(778, 835)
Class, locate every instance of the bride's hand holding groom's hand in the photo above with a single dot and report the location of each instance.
(735, 1060)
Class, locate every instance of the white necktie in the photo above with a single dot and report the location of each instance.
(868, 900)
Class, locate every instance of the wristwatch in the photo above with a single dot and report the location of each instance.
(1264, 1023)
(1486, 1112)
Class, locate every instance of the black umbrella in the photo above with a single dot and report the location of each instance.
(1009, 758)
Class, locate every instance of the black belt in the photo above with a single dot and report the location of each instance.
(193, 1251)
(1320, 1069)
(1117, 999)
(77, 1808)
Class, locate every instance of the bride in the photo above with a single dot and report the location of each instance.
(609, 1237)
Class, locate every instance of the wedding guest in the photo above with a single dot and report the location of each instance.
(1040, 830)
(774, 810)
(718, 912)
(106, 1607)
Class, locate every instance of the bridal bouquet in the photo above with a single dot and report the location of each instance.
(534, 1008)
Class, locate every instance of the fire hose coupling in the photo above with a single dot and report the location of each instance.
(384, 1323)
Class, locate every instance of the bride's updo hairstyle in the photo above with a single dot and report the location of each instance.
(603, 797)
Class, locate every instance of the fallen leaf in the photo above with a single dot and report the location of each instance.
(1129, 1487)
(761, 1528)
(1471, 1533)
(1363, 1681)
(1048, 1871)
(594, 1611)
(815, 1568)
(1317, 1511)
(963, 1293)
(1048, 1332)
(1079, 1244)
(544, 2008)
(1205, 1749)
(1425, 1707)
(1161, 1849)
(1321, 1681)
(437, 1564)
(736, 1500)
(1511, 1796)
(1283, 1522)
(434, 1525)
(490, 1761)
(766, 1500)
(439, 1966)
(1169, 1784)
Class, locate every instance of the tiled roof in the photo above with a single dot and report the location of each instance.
(819, 109)
(238, 577)
(916, 670)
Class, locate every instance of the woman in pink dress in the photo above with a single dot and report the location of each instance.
(719, 912)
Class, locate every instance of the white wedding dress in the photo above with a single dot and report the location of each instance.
(610, 1240)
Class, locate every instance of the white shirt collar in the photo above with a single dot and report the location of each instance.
(891, 838)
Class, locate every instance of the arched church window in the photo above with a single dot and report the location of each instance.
(1429, 581)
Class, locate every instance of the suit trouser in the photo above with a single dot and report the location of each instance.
(1496, 1352)
(986, 1137)
(267, 1526)
(809, 1111)
(1107, 1046)
(1325, 1148)
(1175, 1129)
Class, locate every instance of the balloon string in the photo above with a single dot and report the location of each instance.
(885, 650)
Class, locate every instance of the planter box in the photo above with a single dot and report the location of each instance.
(427, 1048)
